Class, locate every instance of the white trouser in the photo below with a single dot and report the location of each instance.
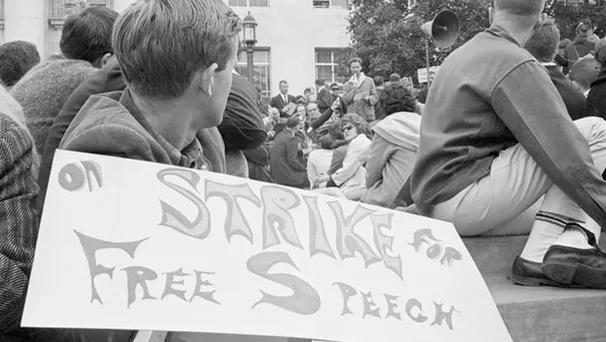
(507, 201)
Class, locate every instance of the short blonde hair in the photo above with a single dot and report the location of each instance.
(161, 44)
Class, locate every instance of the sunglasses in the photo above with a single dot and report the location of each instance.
(335, 89)
(347, 128)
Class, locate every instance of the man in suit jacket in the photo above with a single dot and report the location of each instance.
(281, 100)
(285, 167)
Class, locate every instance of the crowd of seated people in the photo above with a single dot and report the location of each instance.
(481, 152)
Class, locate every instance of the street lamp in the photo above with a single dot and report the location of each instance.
(250, 39)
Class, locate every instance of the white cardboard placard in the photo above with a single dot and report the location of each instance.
(126, 244)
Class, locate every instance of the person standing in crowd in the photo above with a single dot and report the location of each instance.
(85, 45)
(596, 98)
(489, 150)
(19, 222)
(583, 73)
(393, 149)
(361, 96)
(16, 59)
(283, 100)
(285, 166)
(543, 46)
(581, 46)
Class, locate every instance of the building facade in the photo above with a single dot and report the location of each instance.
(297, 39)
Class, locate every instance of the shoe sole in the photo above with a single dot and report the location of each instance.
(535, 282)
(575, 274)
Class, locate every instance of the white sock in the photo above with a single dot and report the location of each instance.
(542, 236)
(573, 238)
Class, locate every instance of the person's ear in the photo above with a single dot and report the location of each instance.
(105, 59)
(207, 79)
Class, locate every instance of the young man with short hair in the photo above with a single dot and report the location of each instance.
(85, 45)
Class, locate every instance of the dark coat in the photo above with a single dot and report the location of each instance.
(285, 167)
(242, 127)
(278, 103)
(573, 98)
(596, 100)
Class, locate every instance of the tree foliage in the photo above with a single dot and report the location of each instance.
(387, 36)
(386, 33)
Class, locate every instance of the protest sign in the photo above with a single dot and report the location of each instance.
(422, 73)
(126, 244)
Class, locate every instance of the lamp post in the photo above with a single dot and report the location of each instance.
(250, 39)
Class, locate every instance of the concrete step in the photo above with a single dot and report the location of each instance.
(549, 314)
(494, 255)
(537, 314)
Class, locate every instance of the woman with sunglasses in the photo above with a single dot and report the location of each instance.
(349, 181)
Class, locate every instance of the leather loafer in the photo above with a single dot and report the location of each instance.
(530, 273)
(575, 266)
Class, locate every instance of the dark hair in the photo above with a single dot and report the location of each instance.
(320, 82)
(355, 59)
(307, 90)
(543, 44)
(293, 122)
(16, 59)
(378, 80)
(326, 142)
(394, 77)
(398, 99)
(87, 35)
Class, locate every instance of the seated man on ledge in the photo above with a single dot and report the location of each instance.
(496, 137)
(177, 58)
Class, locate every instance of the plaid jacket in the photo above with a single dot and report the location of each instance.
(18, 220)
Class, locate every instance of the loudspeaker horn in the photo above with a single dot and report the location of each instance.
(444, 28)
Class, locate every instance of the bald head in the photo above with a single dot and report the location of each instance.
(527, 8)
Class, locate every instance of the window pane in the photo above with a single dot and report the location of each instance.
(323, 56)
(259, 3)
(261, 57)
(237, 3)
(339, 3)
(61, 8)
(321, 3)
(324, 72)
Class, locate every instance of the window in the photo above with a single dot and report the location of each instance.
(57, 11)
(252, 3)
(261, 70)
(327, 67)
(331, 3)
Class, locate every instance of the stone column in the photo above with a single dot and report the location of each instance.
(26, 20)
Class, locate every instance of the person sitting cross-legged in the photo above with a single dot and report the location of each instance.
(496, 137)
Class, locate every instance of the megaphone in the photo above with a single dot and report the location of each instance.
(444, 28)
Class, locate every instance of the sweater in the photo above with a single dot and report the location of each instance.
(45, 89)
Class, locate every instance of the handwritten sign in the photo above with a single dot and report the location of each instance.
(127, 244)
(422, 73)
